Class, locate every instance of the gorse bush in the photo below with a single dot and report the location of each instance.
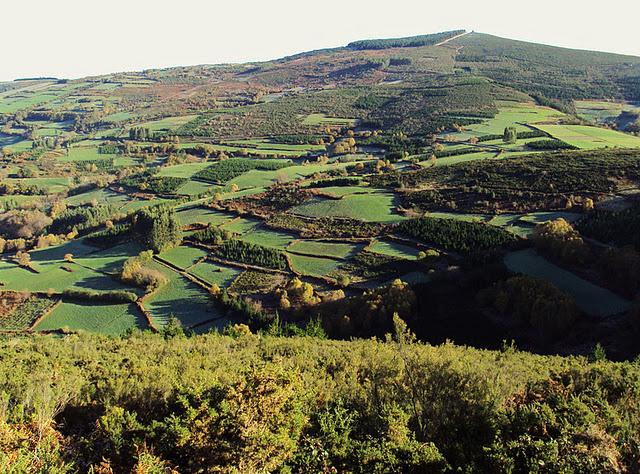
(137, 271)
(252, 403)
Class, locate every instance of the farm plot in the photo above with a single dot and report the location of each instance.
(202, 215)
(374, 207)
(181, 298)
(111, 319)
(18, 311)
(513, 114)
(260, 235)
(183, 257)
(393, 249)
(48, 185)
(322, 119)
(313, 266)
(590, 298)
(586, 137)
(168, 124)
(214, 273)
(338, 250)
(84, 153)
(185, 170)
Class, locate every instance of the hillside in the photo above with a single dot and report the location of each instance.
(245, 403)
(199, 265)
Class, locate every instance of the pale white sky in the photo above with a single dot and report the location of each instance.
(75, 38)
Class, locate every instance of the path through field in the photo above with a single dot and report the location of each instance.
(452, 38)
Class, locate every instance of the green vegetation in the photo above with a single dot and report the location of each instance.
(456, 235)
(581, 136)
(590, 298)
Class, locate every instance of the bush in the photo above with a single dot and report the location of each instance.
(136, 271)
(113, 296)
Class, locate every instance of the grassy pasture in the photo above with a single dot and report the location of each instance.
(167, 124)
(260, 235)
(322, 119)
(242, 225)
(202, 215)
(393, 249)
(586, 137)
(182, 299)
(183, 257)
(261, 144)
(313, 266)
(213, 273)
(84, 153)
(374, 207)
(111, 319)
(100, 195)
(513, 114)
(49, 185)
(322, 248)
(461, 217)
(591, 299)
(193, 188)
(185, 170)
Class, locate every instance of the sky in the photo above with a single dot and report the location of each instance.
(77, 38)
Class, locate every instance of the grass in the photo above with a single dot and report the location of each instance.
(591, 299)
(49, 185)
(373, 207)
(214, 273)
(185, 170)
(110, 319)
(193, 188)
(461, 217)
(260, 235)
(327, 249)
(586, 137)
(183, 257)
(313, 266)
(84, 153)
(242, 225)
(263, 144)
(182, 299)
(393, 249)
(512, 114)
(322, 119)
(202, 215)
(167, 124)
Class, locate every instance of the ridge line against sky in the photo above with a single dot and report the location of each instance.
(79, 38)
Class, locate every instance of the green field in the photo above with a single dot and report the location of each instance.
(374, 207)
(213, 273)
(84, 153)
(585, 137)
(182, 299)
(167, 124)
(111, 319)
(261, 235)
(313, 266)
(337, 250)
(591, 299)
(202, 215)
(186, 170)
(393, 249)
(512, 114)
(183, 257)
(322, 119)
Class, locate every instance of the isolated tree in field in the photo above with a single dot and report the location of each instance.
(510, 135)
